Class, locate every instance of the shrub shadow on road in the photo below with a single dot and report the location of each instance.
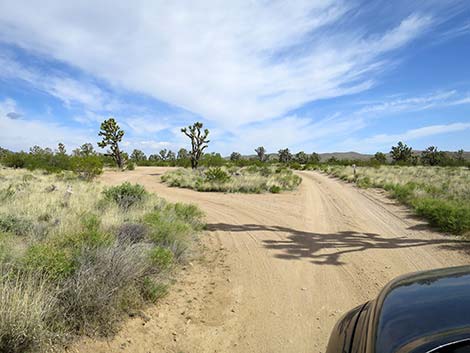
(330, 248)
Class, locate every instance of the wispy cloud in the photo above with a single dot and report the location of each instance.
(230, 62)
(385, 140)
(8, 107)
(415, 103)
(248, 69)
(463, 29)
(70, 91)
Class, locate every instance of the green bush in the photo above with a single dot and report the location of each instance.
(275, 189)
(162, 258)
(15, 160)
(186, 212)
(87, 167)
(295, 166)
(126, 195)
(152, 291)
(130, 165)
(403, 193)
(49, 259)
(14, 224)
(448, 216)
(217, 175)
(172, 233)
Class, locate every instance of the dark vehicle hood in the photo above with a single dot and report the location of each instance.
(420, 311)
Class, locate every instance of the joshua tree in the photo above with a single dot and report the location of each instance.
(301, 157)
(459, 156)
(235, 156)
(84, 150)
(112, 135)
(183, 154)
(138, 156)
(314, 158)
(401, 153)
(380, 157)
(261, 152)
(163, 154)
(199, 142)
(154, 157)
(61, 148)
(170, 156)
(284, 155)
(431, 156)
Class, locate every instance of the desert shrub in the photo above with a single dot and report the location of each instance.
(403, 193)
(161, 257)
(15, 160)
(363, 182)
(186, 212)
(152, 290)
(48, 259)
(130, 165)
(295, 165)
(100, 260)
(126, 195)
(25, 308)
(87, 167)
(92, 298)
(251, 179)
(275, 189)
(217, 175)
(446, 215)
(131, 232)
(14, 224)
(168, 232)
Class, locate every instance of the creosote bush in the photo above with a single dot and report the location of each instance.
(126, 194)
(100, 255)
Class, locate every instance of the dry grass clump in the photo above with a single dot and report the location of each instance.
(26, 308)
(251, 179)
(440, 194)
(99, 252)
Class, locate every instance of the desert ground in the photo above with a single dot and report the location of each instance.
(278, 270)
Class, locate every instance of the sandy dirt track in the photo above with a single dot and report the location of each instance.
(280, 269)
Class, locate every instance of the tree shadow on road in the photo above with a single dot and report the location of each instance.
(329, 248)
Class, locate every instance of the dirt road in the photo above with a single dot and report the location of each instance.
(281, 268)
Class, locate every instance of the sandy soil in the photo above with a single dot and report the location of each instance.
(279, 270)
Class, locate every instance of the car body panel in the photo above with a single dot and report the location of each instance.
(414, 313)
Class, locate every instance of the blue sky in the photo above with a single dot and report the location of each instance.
(310, 75)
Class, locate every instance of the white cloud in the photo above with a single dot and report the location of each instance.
(463, 29)
(385, 140)
(416, 103)
(18, 134)
(8, 106)
(293, 132)
(232, 62)
(68, 90)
